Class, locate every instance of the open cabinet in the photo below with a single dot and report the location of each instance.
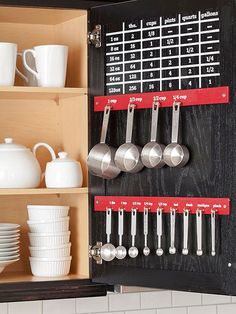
(58, 116)
(65, 118)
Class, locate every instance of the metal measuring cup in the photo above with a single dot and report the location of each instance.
(175, 155)
(127, 157)
(152, 152)
(101, 157)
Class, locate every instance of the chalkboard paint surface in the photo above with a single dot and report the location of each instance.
(164, 53)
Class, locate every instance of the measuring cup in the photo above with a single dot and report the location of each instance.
(127, 157)
(175, 155)
(101, 157)
(152, 152)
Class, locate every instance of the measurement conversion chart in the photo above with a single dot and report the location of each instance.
(164, 53)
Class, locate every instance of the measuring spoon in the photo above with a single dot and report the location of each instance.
(146, 250)
(172, 249)
(186, 224)
(199, 231)
(108, 251)
(121, 251)
(159, 251)
(133, 251)
(213, 232)
(152, 152)
(175, 155)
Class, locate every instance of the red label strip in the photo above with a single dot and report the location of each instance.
(192, 97)
(220, 205)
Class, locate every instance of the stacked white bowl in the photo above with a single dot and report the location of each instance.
(49, 240)
(9, 244)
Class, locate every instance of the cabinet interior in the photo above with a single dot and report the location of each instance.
(58, 117)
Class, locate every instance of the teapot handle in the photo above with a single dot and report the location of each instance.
(49, 148)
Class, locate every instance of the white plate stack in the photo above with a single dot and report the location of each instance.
(49, 240)
(9, 244)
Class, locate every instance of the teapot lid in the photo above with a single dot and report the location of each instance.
(63, 157)
(8, 145)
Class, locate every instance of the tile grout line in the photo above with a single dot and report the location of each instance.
(108, 302)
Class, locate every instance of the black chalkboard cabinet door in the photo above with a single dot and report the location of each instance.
(150, 46)
(146, 46)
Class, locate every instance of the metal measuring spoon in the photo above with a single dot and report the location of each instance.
(121, 251)
(213, 232)
(159, 251)
(199, 231)
(108, 251)
(172, 249)
(152, 152)
(175, 155)
(133, 251)
(146, 250)
(186, 224)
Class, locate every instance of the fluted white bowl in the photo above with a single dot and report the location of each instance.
(50, 267)
(47, 212)
(55, 251)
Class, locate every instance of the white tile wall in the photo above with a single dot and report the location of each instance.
(3, 308)
(215, 299)
(141, 312)
(173, 310)
(153, 302)
(61, 306)
(180, 298)
(158, 299)
(209, 309)
(226, 309)
(32, 307)
(124, 302)
(94, 305)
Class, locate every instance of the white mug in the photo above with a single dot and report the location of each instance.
(8, 53)
(51, 64)
(28, 77)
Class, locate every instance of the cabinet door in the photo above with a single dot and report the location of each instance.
(148, 46)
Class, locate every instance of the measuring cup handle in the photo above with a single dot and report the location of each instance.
(129, 125)
(155, 110)
(105, 121)
(175, 122)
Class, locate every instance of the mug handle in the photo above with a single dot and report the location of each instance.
(50, 149)
(25, 63)
(19, 72)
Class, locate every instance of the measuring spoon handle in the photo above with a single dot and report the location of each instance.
(108, 224)
(120, 224)
(133, 225)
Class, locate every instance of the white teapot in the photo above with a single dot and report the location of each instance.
(63, 172)
(19, 167)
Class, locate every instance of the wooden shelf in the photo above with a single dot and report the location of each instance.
(25, 287)
(25, 92)
(43, 191)
(8, 277)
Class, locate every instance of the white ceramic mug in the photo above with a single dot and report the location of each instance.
(8, 53)
(28, 77)
(51, 64)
